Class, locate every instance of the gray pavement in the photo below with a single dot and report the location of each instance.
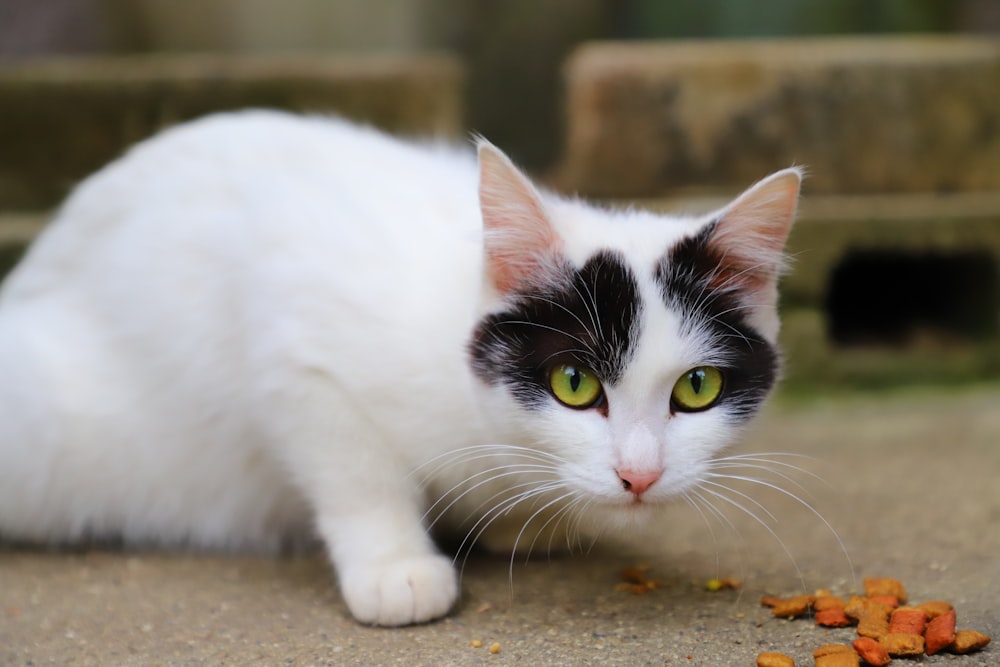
(911, 483)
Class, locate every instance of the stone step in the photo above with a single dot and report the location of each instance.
(61, 119)
(865, 115)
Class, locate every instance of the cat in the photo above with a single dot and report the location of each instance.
(259, 328)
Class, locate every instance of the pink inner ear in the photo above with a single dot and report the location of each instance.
(751, 234)
(521, 246)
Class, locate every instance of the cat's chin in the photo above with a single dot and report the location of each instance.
(626, 514)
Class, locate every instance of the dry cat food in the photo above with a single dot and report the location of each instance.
(774, 660)
(635, 580)
(726, 584)
(871, 652)
(836, 655)
(887, 627)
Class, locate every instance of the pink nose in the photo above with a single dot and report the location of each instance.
(638, 482)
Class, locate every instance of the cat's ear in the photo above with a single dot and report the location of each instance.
(750, 233)
(521, 246)
(749, 239)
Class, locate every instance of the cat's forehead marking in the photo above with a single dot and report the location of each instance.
(689, 277)
(590, 317)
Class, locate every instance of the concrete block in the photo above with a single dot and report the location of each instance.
(62, 119)
(864, 114)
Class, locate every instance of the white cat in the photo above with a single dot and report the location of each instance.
(257, 328)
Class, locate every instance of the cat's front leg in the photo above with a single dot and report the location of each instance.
(384, 579)
(367, 510)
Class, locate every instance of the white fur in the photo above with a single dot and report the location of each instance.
(253, 329)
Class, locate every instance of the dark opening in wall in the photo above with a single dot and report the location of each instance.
(892, 296)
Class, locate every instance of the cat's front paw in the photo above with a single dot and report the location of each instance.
(401, 592)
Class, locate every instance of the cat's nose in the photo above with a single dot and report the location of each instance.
(638, 482)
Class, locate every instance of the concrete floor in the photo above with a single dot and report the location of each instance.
(911, 483)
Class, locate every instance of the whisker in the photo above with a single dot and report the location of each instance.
(725, 521)
(500, 509)
(478, 452)
(590, 303)
(752, 466)
(686, 496)
(569, 312)
(477, 511)
(784, 547)
(506, 449)
(739, 493)
(546, 327)
(734, 460)
(801, 502)
(508, 471)
(520, 534)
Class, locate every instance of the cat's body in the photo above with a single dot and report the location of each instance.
(259, 328)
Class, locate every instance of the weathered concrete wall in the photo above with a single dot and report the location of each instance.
(865, 115)
(62, 119)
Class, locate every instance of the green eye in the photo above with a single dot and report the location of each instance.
(575, 387)
(697, 389)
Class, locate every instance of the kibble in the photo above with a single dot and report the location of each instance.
(836, 655)
(940, 632)
(886, 625)
(967, 641)
(771, 659)
(902, 644)
(871, 652)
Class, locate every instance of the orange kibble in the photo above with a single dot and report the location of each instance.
(836, 655)
(890, 600)
(934, 608)
(834, 617)
(902, 644)
(967, 641)
(824, 602)
(874, 622)
(636, 580)
(940, 632)
(871, 652)
(908, 620)
(730, 583)
(495, 648)
(637, 574)
(793, 607)
(770, 659)
(855, 607)
(831, 649)
(876, 586)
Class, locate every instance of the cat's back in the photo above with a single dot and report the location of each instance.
(261, 182)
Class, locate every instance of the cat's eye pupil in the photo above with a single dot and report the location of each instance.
(697, 377)
(574, 380)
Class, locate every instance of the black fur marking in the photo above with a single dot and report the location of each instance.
(590, 318)
(686, 276)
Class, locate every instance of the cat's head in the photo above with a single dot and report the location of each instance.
(628, 346)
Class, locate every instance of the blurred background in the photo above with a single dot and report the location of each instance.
(892, 104)
(513, 50)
